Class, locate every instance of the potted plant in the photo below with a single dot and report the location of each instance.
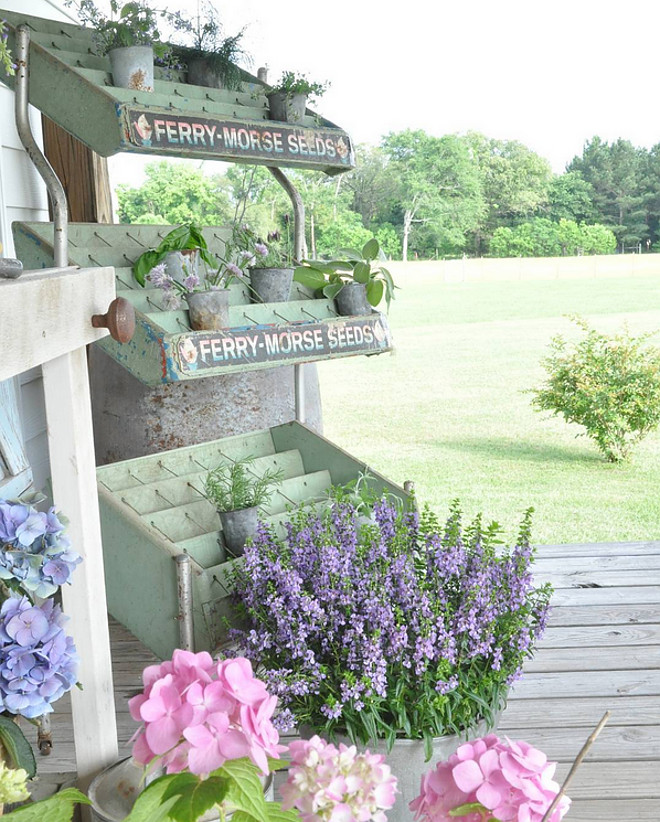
(211, 59)
(129, 36)
(237, 492)
(268, 264)
(174, 267)
(358, 282)
(207, 726)
(399, 634)
(287, 100)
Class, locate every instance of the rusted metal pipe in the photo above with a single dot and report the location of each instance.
(298, 212)
(184, 593)
(53, 182)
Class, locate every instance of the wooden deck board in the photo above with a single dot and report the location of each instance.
(601, 651)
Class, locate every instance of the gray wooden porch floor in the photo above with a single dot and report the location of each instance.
(601, 651)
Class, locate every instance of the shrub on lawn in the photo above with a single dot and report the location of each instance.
(610, 385)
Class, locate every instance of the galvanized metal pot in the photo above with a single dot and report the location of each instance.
(114, 791)
(133, 67)
(237, 527)
(407, 761)
(287, 108)
(208, 310)
(352, 300)
(201, 73)
(271, 285)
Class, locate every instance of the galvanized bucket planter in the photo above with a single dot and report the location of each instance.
(352, 300)
(287, 108)
(133, 67)
(271, 285)
(407, 761)
(202, 73)
(114, 791)
(237, 527)
(208, 310)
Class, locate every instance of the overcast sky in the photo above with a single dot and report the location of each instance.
(550, 75)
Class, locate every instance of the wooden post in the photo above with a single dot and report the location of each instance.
(49, 314)
(73, 470)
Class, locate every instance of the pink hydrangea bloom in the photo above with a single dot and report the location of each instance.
(337, 784)
(510, 780)
(197, 714)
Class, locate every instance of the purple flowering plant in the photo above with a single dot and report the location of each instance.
(394, 627)
(38, 660)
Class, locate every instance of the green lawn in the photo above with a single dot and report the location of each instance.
(448, 408)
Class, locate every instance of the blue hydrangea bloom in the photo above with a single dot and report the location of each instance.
(38, 661)
(34, 550)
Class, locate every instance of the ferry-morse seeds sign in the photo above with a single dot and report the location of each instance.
(297, 341)
(249, 140)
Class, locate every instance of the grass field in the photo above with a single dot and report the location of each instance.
(448, 408)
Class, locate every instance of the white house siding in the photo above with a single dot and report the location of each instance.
(23, 197)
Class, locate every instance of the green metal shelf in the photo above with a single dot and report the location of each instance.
(152, 510)
(72, 84)
(166, 350)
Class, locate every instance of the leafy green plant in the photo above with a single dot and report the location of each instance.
(205, 32)
(233, 487)
(182, 238)
(608, 384)
(6, 59)
(57, 808)
(330, 276)
(129, 24)
(291, 83)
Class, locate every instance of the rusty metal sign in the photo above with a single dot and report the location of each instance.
(302, 342)
(256, 140)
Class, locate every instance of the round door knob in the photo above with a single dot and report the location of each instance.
(120, 320)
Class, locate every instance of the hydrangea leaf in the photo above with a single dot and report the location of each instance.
(276, 814)
(194, 796)
(151, 806)
(19, 749)
(246, 793)
(57, 808)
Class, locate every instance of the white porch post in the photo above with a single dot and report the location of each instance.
(71, 447)
(45, 319)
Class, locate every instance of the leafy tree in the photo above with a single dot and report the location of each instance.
(438, 189)
(176, 193)
(615, 171)
(514, 181)
(372, 185)
(597, 239)
(570, 197)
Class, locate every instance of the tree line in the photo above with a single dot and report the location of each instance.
(431, 197)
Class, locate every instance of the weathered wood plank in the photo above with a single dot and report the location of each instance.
(571, 684)
(593, 659)
(615, 810)
(51, 330)
(615, 562)
(581, 712)
(603, 579)
(640, 595)
(566, 616)
(607, 636)
(614, 744)
(599, 549)
(600, 780)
